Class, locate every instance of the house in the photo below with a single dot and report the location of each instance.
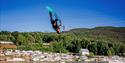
(7, 45)
(46, 45)
(16, 59)
(6, 42)
(84, 52)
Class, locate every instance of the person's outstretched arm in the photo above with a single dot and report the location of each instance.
(60, 23)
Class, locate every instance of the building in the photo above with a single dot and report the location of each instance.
(46, 45)
(84, 52)
(7, 45)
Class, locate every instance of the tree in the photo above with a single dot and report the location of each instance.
(109, 53)
(116, 47)
(91, 54)
(67, 40)
(4, 37)
(102, 48)
(93, 48)
(30, 39)
(122, 49)
(74, 46)
(85, 43)
(58, 47)
(21, 40)
(47, 38)
(38, 37)
(5, 32)
(112, 50)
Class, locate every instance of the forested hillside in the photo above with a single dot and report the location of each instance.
(100, 40)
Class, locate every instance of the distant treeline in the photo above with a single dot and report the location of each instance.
(100, 40)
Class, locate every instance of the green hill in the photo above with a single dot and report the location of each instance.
(108, 33)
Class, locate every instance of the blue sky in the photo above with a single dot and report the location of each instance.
(32, 15)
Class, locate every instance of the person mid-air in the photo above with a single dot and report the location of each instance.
(56, 23)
